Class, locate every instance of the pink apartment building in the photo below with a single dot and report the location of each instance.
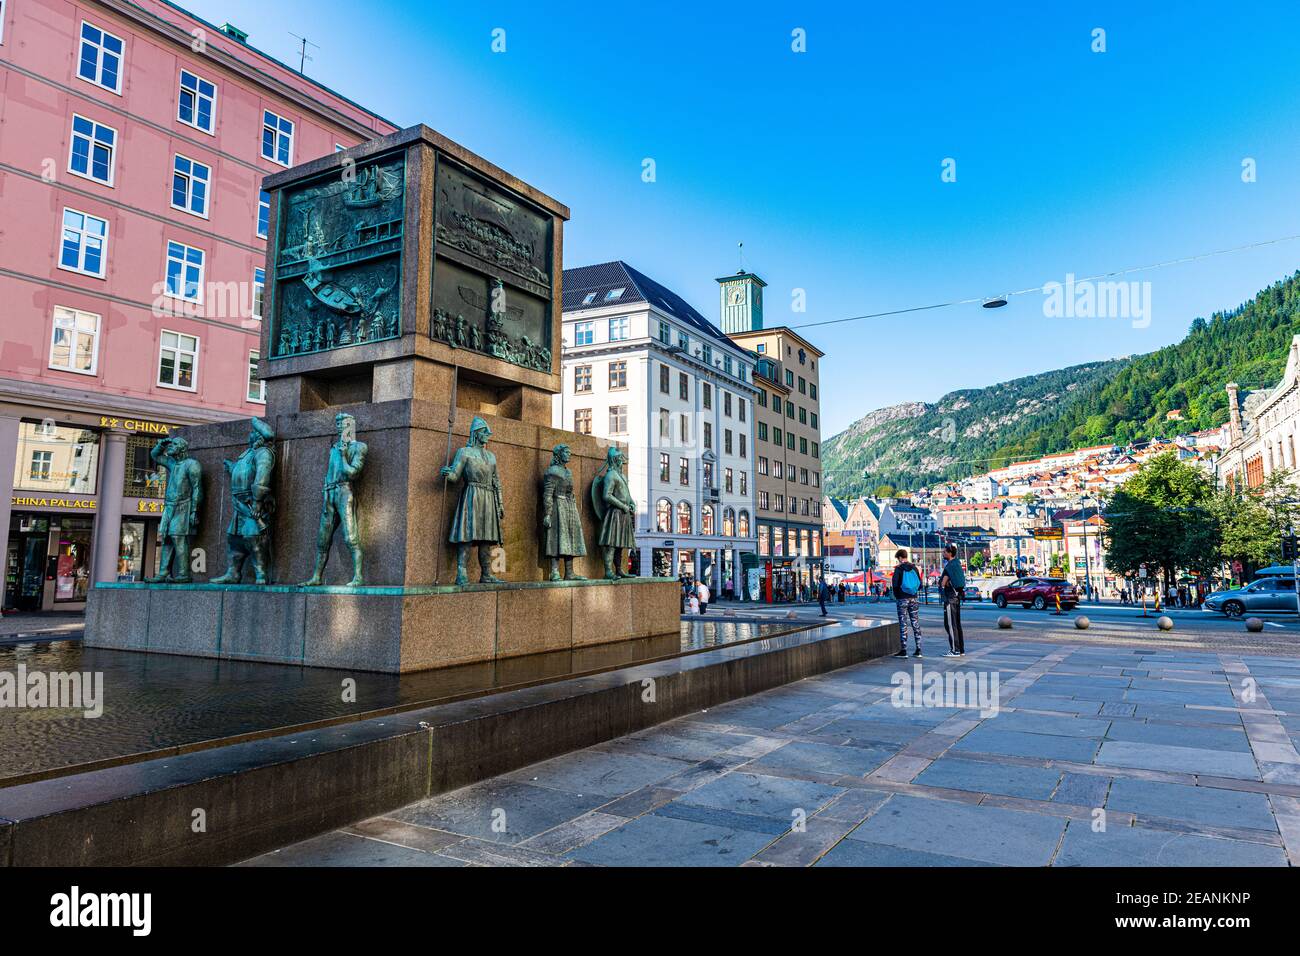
(133, 141)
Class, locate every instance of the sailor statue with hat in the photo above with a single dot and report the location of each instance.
(252, 506)
(477, 519)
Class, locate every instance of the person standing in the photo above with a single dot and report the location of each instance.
(953, 583)
(906, 585)
(823, 592)
(702, 593)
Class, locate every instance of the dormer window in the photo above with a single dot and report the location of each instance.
(613, 294)
(589, 298)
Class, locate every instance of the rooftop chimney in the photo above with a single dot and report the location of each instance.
(1234, 413)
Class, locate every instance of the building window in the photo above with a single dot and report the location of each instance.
(664, 464)
(778, 503)
(259, 292)
(726, 404)
(277, 138)
(618, 375)
(101, 58)
(684, 342)
(762, 502)
(664, 516)
(728, 522)
(762, 466)
(726, 441)
(744, 445)
(814, 449)
(56, 458)
(803, 446)
(789, 378)
(584, 333)
(803, 476)
(776, 436)
(803, 415)
(706, 394)
(683, 386)
(582, 421)
(812, 390)
(789, 441)
(683, 517)
(762, 431)
(74, 343)
(197, 102)
(684, 472)
(764, 547)
(190, 186)
(813, 419)
(618, 328)
(789, 409)
(706, 520)
(778, 468)
(803, 386)
(708, 476)
(184, 272)
(794, 506)
(664, 428)
(256, 387)
(708, 434)
(706, 354)
(85, 244)
(740, 408)
(776, 403)
(742, 525)
(263, 214)
(685, 429)
(665, 333)
(762, 397)
(178, 356)
(727, 481)
(744, 483)
(663, 379)
(93, 148)
(582, 378)
(618, 419)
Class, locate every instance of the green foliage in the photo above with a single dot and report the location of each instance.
(1120, 402)
(1253, 522)
(885, 491)
(1165, 517)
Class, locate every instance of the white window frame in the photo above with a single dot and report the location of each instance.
(203, 266)
(190, 179)
(254, 359)
(99, 60)
(90, 166)
(258, 222)
(83, 233)
(259, 292)
(621, 324)
(581, 327)
(212, 111)
(74, 315)
(293, 129)
(176, 364)
(46, 459)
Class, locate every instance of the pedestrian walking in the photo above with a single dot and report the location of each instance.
(702, 594)
(953, 584)
(906, 585)
(823, 592)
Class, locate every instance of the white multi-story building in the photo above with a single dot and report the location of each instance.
(1262, 429)
(644, 368)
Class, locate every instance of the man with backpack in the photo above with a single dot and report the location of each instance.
(953, 584)
(906, 585)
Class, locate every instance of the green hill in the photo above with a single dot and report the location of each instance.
(1123, 400)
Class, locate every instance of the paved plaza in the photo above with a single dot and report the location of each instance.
(1098, 756)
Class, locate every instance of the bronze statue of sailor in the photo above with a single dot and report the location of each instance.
(338, 509)
(181, 503)
(561, 524)
(613, 502)
(252, 505)
(477, 519)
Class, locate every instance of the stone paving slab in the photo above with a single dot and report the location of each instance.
(829, 772)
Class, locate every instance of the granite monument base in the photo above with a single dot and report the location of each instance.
(387, 629)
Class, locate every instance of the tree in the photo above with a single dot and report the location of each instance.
(1252, 522)
(1163, 517)
(886, 491)
(977, 560)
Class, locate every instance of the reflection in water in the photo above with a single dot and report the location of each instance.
(157, 701)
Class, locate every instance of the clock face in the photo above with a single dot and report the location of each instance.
(736, 295)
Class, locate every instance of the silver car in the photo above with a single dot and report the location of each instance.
(1276, 594)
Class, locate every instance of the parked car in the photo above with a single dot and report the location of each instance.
(972, 593)
(1272, 593)
(1038, 593)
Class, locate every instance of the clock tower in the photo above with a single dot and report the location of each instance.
(741, 302)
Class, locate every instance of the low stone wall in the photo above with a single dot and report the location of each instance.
(264, 794)
(387, 629)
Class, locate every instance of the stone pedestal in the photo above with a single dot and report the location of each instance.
(388, 629)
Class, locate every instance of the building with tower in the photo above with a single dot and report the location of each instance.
(787, 437)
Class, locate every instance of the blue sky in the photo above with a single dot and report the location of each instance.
(827, 163)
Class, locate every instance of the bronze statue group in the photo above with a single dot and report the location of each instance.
(476, 521)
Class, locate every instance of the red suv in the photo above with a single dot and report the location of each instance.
(1037, 593)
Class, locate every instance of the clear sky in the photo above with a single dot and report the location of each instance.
(827, 163)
